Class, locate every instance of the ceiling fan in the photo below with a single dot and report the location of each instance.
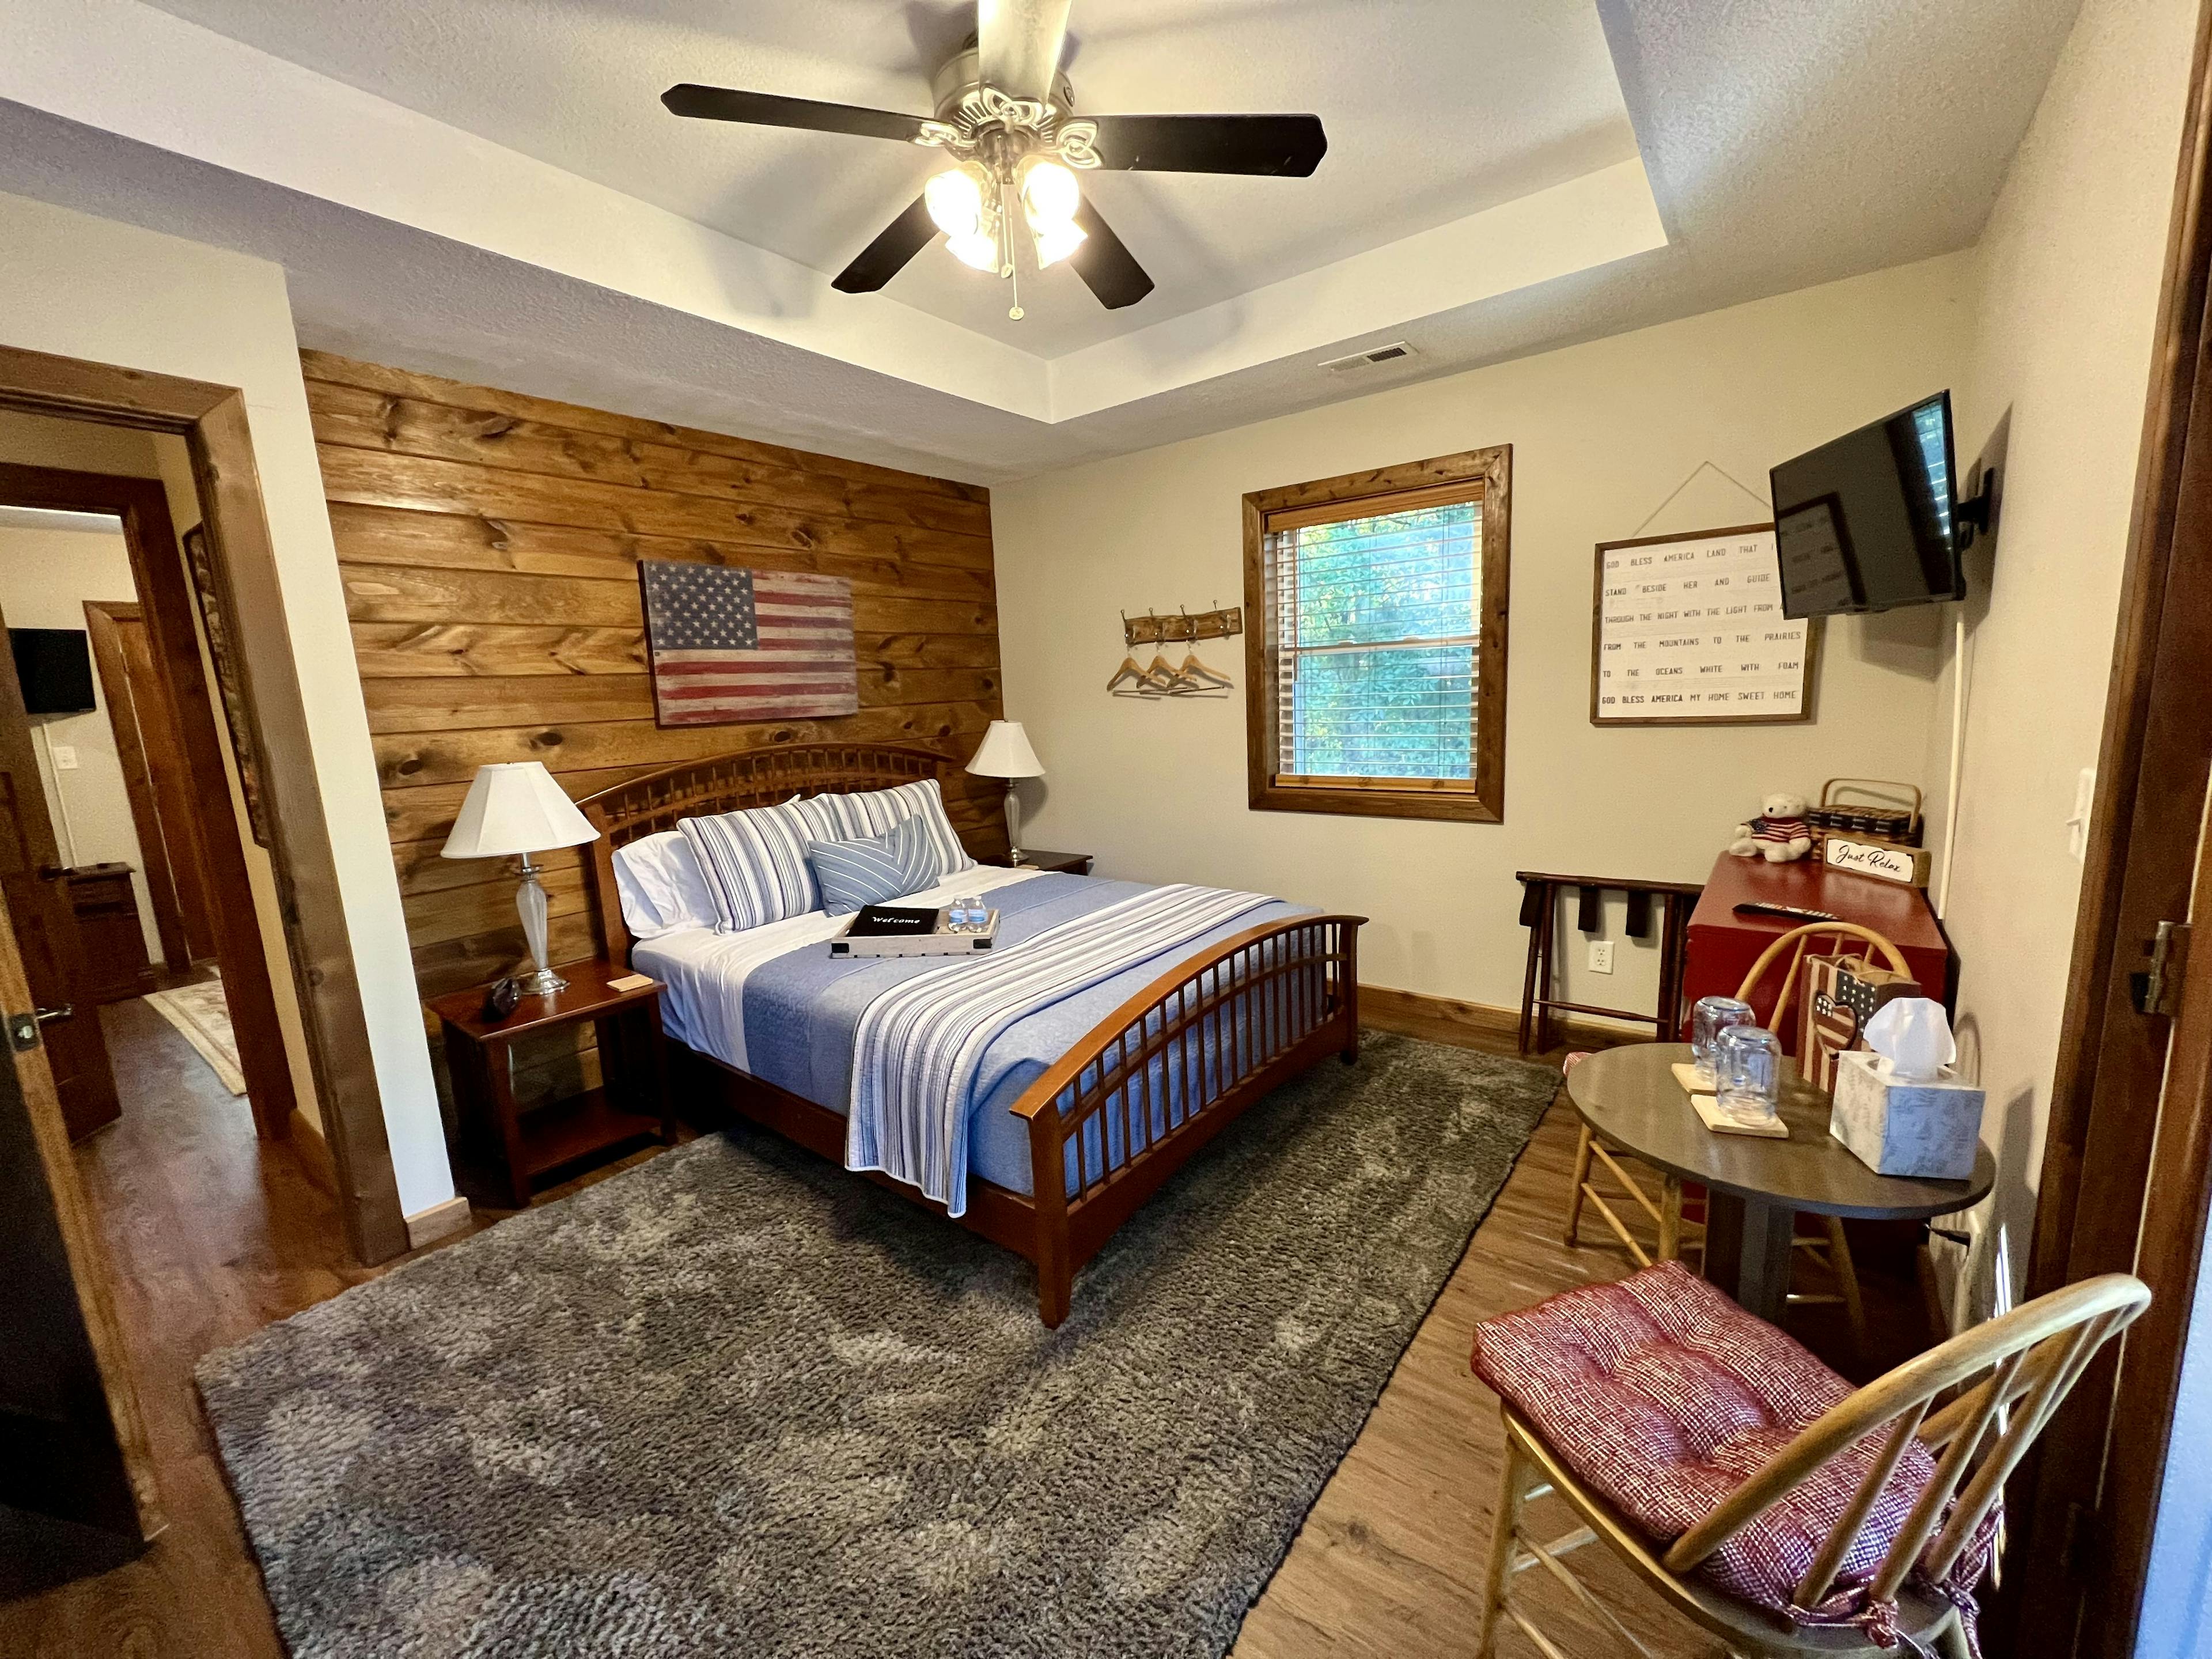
(1007, 120)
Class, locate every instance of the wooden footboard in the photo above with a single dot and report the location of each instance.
(1128, 1105)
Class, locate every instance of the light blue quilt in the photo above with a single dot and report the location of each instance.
(802, 1013)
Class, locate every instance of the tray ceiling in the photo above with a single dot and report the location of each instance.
(493, 191)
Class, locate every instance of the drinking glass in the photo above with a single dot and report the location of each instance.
(1712, 1016)
(1748, 1073)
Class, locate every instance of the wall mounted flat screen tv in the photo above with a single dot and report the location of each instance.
(54, 666)
(1870, 521)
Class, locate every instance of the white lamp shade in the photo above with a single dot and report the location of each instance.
(514, 806)
(1005, 753)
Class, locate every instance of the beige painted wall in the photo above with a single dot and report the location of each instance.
(87, 288)
(1602, 434)
(2067, 280)
(45, 577)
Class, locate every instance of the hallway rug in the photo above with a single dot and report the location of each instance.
(737, 1401)
(199, 1012)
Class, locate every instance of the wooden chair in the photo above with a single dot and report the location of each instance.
(1828, 1248)
(2032, 1357)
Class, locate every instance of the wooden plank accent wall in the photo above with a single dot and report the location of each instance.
(488, 544)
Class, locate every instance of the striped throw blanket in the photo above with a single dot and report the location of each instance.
(919, 1045)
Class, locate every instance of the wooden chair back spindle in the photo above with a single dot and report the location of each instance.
(1800, 942)
(2033, 1356)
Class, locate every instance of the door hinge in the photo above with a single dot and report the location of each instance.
(23, 1032)
(2157, 989)
(2076, 1548)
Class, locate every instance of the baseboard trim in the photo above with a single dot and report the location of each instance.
(439, 1221)
(1476, 1025)
(306, 1138)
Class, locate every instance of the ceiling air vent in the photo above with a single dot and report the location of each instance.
(1374, 357)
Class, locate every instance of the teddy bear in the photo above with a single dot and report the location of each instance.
(1779, 834)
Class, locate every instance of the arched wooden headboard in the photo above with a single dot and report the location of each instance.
(729, 783)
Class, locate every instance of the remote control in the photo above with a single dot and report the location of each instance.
(1790, 912)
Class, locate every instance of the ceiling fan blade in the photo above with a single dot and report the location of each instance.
(1290, 146)
(766, 109)
(1019, 43)
(1109, 270)
(885, 257)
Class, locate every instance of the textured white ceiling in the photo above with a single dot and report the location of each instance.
(1435, 109)
(1788, 142)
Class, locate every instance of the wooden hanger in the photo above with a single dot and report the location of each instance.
(1194, 678)
(1129, 671)
(1159, 675)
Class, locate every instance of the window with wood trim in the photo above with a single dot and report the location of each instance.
(1376, 640)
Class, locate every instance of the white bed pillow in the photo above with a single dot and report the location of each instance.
(875, 811)
(661, 887)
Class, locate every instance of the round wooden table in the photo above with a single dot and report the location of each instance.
(1754, 1186)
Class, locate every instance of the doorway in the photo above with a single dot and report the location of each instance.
(191, 858)
(265, 698)
(2127, 1167)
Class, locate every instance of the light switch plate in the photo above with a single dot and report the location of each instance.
(1600, 956)
(64, 755)
(2077, 826)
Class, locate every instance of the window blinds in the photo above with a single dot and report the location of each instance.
(1372, 628)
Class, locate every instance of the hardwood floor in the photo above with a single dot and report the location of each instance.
(212, 1238)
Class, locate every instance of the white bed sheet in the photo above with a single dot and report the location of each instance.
(705, 972)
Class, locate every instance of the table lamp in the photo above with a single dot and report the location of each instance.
(515, 807)
(1005, 753)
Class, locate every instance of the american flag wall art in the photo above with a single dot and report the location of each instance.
(731, 646)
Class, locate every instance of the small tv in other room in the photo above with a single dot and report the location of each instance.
(54, 666)
(1871, 521)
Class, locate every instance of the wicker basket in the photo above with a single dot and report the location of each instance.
(1867, 809)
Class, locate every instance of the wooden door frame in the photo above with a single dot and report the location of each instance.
(212, 421)
(157, 567)
(101, 616)
(2087, 1504)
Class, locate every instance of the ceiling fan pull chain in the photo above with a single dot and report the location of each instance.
(1014, 265)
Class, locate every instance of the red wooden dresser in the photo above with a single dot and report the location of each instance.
(1722, 945)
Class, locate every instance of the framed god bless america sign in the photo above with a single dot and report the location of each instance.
(1688, 630)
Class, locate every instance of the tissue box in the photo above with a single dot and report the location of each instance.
(1925, 1129)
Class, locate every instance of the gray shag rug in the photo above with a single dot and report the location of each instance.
(738, 1401)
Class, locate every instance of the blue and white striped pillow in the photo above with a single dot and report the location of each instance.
(755, 865)
(852, 873)
(854, 818)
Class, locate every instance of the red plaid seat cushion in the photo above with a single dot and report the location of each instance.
(1664, 1396)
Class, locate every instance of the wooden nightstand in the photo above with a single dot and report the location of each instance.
(1066, 864)
(631, 1104)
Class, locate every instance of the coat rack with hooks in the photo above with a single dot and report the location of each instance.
(1152, 629)
(1194, 679)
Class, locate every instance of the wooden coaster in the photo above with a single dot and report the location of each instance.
(1709, 1113)
(1692, 1084)
(631, 983)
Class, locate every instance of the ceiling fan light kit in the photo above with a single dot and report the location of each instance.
(1005, 118)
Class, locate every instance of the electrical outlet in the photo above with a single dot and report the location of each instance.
(1600, 956)
(64, 758)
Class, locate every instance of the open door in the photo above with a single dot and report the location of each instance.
(163, 804)
(77, 1488)
(34, 888)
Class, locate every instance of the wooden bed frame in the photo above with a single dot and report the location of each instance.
(1239, 1019)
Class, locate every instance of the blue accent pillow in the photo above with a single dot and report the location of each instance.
(852, 873)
